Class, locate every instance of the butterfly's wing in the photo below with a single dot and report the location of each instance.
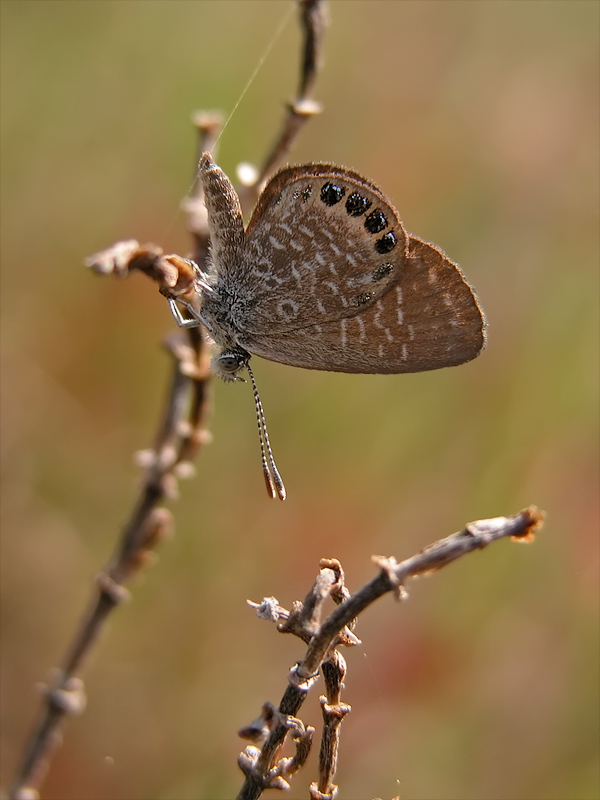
(429, 318)
(323, 244)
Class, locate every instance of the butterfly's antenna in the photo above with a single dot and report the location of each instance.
(273, 479)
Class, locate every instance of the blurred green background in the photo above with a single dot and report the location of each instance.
(480, 120)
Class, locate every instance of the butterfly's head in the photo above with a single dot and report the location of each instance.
(229, 362)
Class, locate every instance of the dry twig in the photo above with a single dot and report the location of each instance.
(261, 766)
(181, 433)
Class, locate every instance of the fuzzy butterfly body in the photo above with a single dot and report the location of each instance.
(324, 276)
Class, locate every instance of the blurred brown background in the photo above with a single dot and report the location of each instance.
(480, 120)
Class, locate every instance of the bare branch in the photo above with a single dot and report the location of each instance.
(180, 435)
(148, 525)
(475, 536)
(258, 764)
(334, 711)
(313, 17)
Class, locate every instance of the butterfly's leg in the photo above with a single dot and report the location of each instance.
(183, 322)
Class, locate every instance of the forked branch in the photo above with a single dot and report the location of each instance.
(262, 766)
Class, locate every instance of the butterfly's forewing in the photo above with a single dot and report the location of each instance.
(323, 244)
(430, 318)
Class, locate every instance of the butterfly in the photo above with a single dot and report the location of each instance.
(324, 276)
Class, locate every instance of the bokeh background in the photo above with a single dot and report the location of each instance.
(480, 120)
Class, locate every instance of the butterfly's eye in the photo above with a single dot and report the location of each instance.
(230, 362)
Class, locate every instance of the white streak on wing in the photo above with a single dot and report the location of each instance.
(263, 275)
(362, 336)
(344, 327)
(332, 286)
(335, 249)
(350, 259)
(321, 307)
(295, 273)
(296, 245)
(355, 282)
(306, 231)
(285, 227)
(333, 270)
(404, 352)
(377, 321)
(400, 312)
(276, 243)
(320, 258)
(380, 351)
(411, 332)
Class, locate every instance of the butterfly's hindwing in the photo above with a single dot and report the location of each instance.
(429, 319)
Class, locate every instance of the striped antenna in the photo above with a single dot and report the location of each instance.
(273, 481)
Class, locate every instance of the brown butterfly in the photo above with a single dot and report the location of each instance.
(325, 277)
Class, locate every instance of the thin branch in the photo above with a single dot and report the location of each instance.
(334, 711)
(180, 435)
(146, 528)
(260, 764)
